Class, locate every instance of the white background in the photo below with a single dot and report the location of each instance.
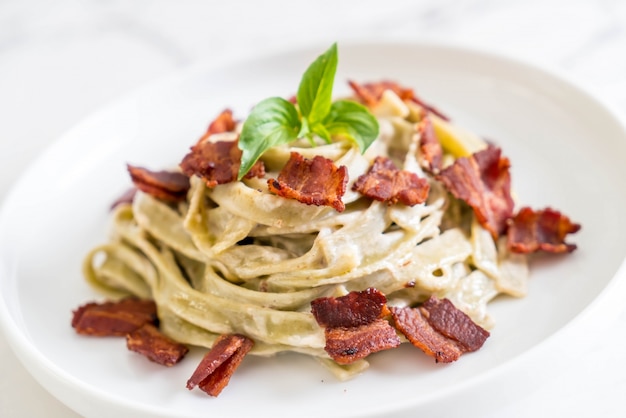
(62, 60)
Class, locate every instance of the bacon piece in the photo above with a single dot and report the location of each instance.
(385, 183)
(315, 182)
(431, 152)
(169, 186)
(411, 323)
(483, 181)
(542, 230)
(113, 318)
(148, 341)
(217, 162)
(439, 329)
(346, 345)
(126, 198)
(224, 122)
(351, 310)
(370, 93)
(218, 365)
(453, 323)
(353, 323)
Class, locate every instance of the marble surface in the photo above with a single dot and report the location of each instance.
(61, 60)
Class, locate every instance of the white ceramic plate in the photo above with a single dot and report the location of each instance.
(567, 152)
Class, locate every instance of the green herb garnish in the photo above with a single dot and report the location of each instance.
(275, 121)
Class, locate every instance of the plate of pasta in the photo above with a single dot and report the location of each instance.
(380, 228)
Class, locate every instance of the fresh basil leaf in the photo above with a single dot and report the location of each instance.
(273, 121)
(321, 131)
(305, 132)
(352, 120)
(276, 121)
(316, 87)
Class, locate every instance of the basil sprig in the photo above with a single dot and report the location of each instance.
(276, 121)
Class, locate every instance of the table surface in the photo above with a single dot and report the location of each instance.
(62, 60)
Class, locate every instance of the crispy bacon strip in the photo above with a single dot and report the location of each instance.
(113, 318)
(169, 186)
(315, 182)
(352, 310)
(217, 162)
(410, 322)
(218, 364)
(439, 329)
(126, 198)
(542, 230)
(453, 323)
(346, 345)
(148, 341)
(353, 323)
(370, 93)
(431, 152)
(224, 122)
(483, 181)
(385, 183)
